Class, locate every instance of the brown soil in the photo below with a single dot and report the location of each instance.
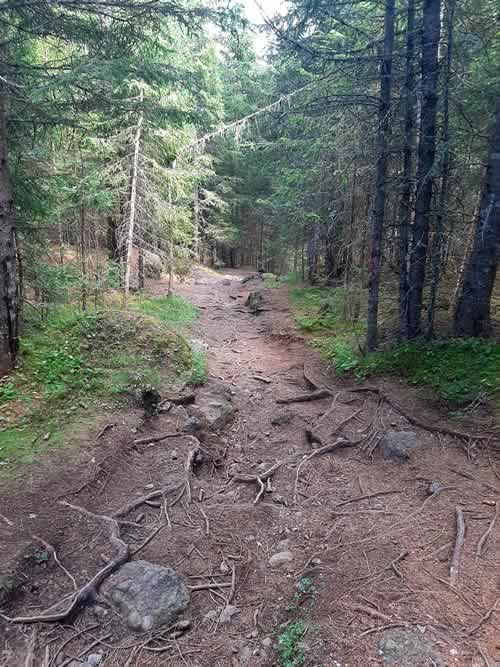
(374, 563)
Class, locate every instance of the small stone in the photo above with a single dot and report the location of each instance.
(227, 614)
(174, 454)
(282, 419)
(267, 642)
(316, 561)
(192, 425)
(149, 486)
(224, 567)
(235, 649)
(93, 659)
(284, 545)
(434, 487)
(280, 500)
(183, 624)
(139, 518)
(280, 559)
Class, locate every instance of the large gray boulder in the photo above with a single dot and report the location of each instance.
(407, 648)
(213, 408)
(398, 445)
(147, 595)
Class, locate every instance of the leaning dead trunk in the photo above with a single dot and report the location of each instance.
(425, 162)
(472, 315)
(379, 209)
(8, 264)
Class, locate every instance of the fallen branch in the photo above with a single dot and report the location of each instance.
(418, 422)
(326, 449)
(362, 609)
(147, 540)
(366, 496)
(89, 590)
(207, 587)
(157, 438)
(485, 536)
(303, 398)
(457, 549)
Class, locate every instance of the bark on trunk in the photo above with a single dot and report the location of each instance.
(8, 265)
(409, 105)
(132, 208)
(472, 315)
(378, 213)
(442, 212)
(425, 162)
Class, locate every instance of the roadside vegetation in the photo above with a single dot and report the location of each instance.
(458, 370)
(74, 365)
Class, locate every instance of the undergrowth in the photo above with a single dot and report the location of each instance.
(78, 362)
(290, 649)
(458, 370)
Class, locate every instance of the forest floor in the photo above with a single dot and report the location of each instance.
(366, 577)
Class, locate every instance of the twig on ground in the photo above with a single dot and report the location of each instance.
(65, 643)
(30, 652)
(104, 430)
(89, 590)
(207, 522)
(366, 496)
(483, 655)
(302, 398)
(485, 536)
(457, 549)
(381, 628)
(147, 540)
(253, 478)
(261, 490)
(362, 609)
(53, 552)
(233, 585)
(339, 444)
(485, 618)
(88, 648)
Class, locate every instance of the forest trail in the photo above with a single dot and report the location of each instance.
(367, 546)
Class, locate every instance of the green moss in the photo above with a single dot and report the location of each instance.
(290, 652)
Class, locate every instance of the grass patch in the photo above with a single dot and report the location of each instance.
(75, 362)
(458, 370)
(173, 309)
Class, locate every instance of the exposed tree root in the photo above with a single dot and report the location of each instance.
(303, 398)
(137, 502)
(421, 424)
(457, 549)
(88, 592)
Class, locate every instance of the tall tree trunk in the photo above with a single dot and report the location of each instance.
(472, 315)
(8, 265)
(442, 212)
(132, 208)
(313, 252)
(425, 162)
(409, 105)
(379, 208)
(196, 224)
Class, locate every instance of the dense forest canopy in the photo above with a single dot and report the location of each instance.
(362, 155)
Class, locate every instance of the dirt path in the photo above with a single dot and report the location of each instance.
(368, 549)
